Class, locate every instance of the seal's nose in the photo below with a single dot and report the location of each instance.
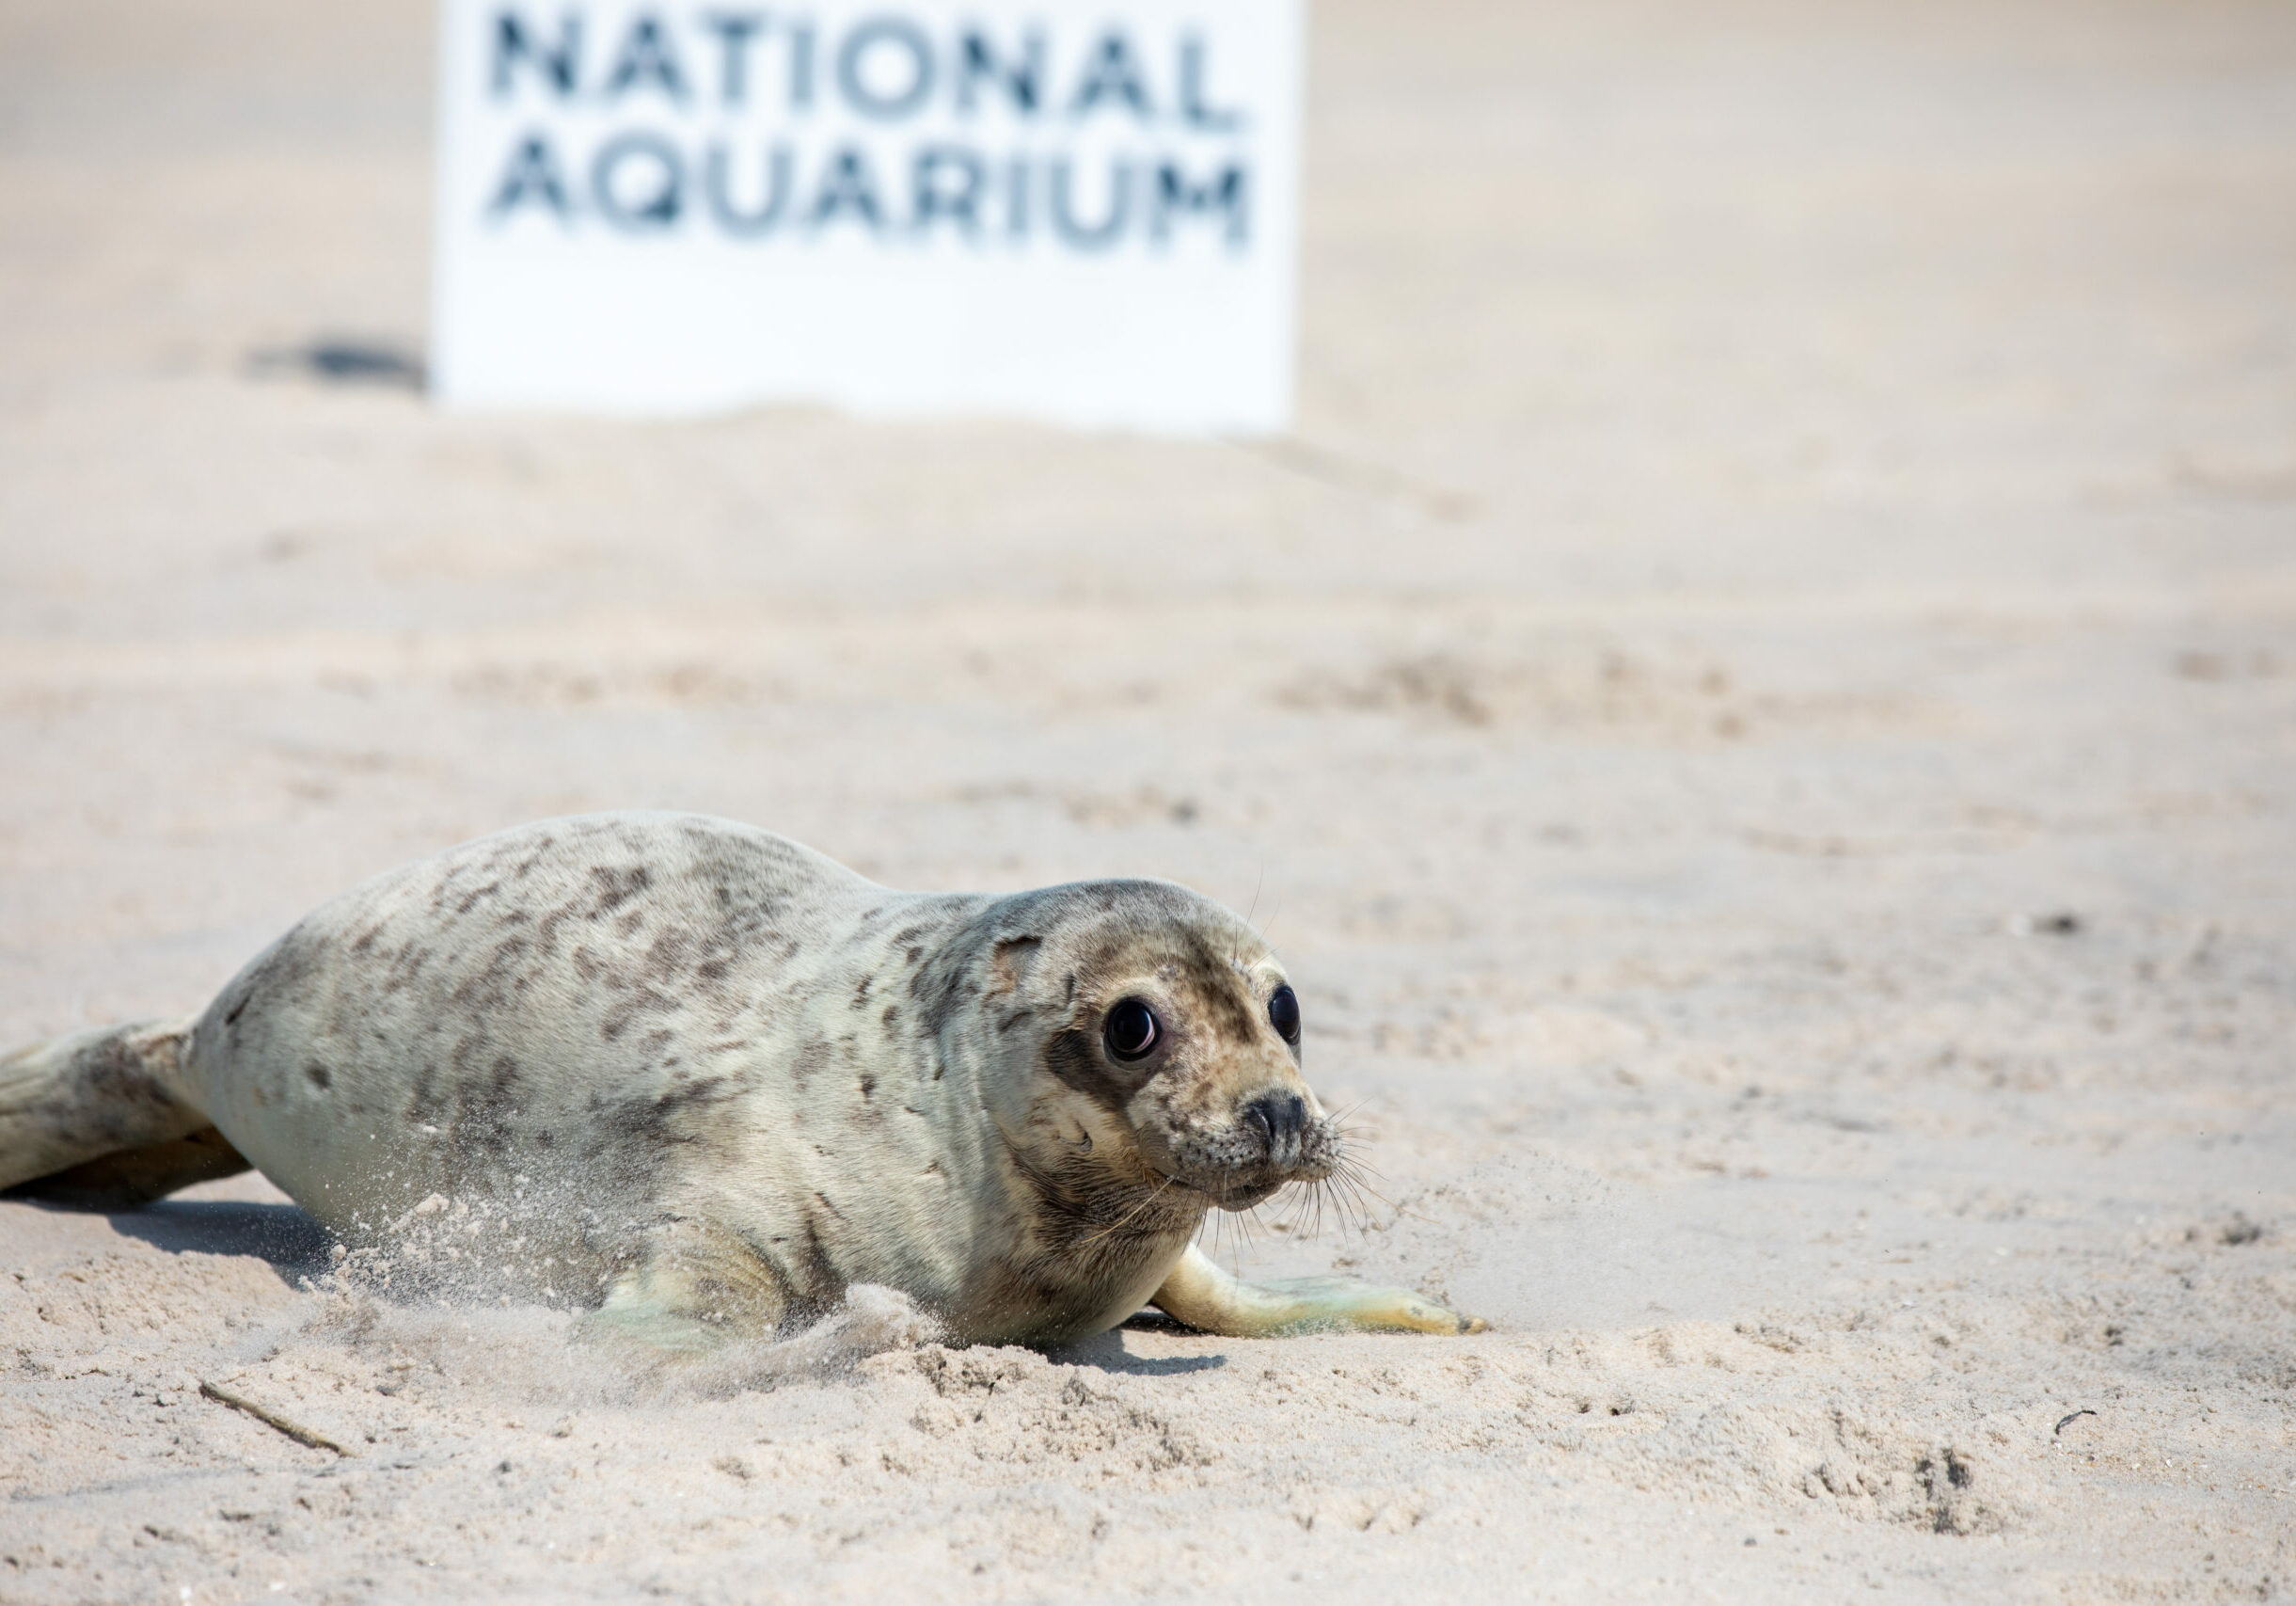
(1278, 1118)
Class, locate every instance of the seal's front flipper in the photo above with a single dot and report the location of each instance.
(693, 1287)
(1201, 1295)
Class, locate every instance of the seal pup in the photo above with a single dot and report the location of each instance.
(702, 1079)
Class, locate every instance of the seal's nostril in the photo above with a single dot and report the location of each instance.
(1294, 1116)
(1256, 1116)
(1276, 1118)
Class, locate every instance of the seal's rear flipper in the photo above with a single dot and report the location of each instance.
(1201, 1295)
(136, 1177)
(117, 1090)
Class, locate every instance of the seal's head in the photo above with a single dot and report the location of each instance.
(1166, 1042)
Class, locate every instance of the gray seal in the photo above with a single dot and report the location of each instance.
(699, 1080)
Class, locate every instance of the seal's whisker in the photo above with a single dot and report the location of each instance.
(1298, 1212)
(1291, 1225)
(1338, 1194)
(1240, 1223)
(1344, 1122)
(1235, 955)
(1354, 1180)
(1318, 1192)
(1301, 1196)
(1129, 1217)
(1224, 1240)
(1345, 1204)
(1365, 1197)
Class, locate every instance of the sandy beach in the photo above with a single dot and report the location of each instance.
(1758, 706)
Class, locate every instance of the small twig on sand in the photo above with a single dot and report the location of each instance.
(2070, 1416)
(271, 1419)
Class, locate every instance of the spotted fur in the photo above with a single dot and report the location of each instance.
(718, 1077)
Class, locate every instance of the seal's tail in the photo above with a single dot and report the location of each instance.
(101, 1117)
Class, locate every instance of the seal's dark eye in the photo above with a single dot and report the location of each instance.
(1283, 1013)
(1132, 1030)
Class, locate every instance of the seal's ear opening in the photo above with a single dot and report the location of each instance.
(1008, 967)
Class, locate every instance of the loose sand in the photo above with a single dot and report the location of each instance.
(1761, 706)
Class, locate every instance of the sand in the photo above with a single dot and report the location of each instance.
(1759, 706)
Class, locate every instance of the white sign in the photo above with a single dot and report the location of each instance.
(1080, 211)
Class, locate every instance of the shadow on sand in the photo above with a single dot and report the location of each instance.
(334, 361)
(1106, 1351)
(296, 1245)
